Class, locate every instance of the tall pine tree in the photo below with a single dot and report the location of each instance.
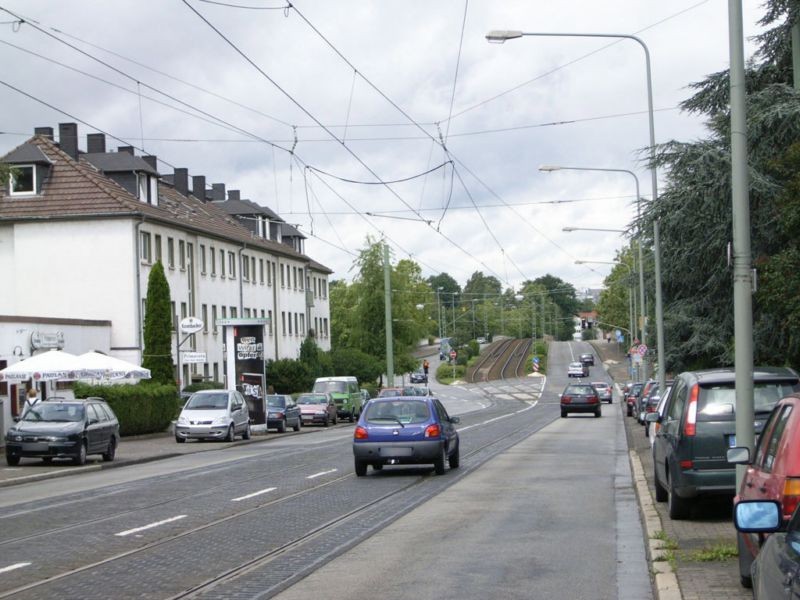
(158, 328)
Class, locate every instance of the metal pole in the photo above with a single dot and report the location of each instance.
(387, 301)
(742, 260)
(439, 313)
(796, 55)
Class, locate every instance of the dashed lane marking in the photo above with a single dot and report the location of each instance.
(254, 494)
(150, 526)
(14, 567)
(320, 474)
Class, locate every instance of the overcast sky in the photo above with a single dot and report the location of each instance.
(362, 85)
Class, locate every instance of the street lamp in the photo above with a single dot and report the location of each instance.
(643, 312)
(631, 309)
(439, 311)
(500, 36)
(592, 229)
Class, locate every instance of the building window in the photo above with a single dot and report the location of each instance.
(214, 317)
(174, 315)
(283, 323)
(269, 272)
(145, 247)
(296, 330)
(269, 316)
(213, 254)
(222, 263)
(182, 254)
(300, 274)
(261, 271)
(203, 259)
(158, 247)
(283, 276)
(246, 314)
(216, 371)
(204, 316)
(23, 180)
(253, 268)
(184, 314)
(231, 265)
(245, 268)
(224, 311)
(290, 323)
(170, 253)
(233, 312)
(302, 330)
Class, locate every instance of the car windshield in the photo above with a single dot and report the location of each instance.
(312, 399)
(331, 387)
(207, 401)
(57, 413)
(585, 390)
(276, 401)
(400, 411)
(600, 385)
(575, 365)
(717, 402)
(390, 392)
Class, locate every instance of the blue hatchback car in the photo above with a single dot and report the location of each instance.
(405, 430)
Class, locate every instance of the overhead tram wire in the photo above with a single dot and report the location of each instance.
(328, 131)
(455, 76)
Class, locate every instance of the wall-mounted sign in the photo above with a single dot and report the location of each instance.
(193, 357)
(41, 339)
(244, 321)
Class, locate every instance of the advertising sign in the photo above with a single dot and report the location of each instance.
(248, 372)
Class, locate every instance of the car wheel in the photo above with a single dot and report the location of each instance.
(352, 417)
(80, 458)
(563, 414)
(678, 507)
(454, 460)
(335, 419)
(438, 463)
(630, 412)
(646, 431)
(179, 439)
(597, 414)
(661, 492)
(231, 434)
(11, 460)
(111, 452)
(745, 562)
(327, 422)
(361, 468)
(48, 460)
(297, 424)
(282, 426)
(247, 433)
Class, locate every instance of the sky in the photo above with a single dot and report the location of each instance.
(391, 119)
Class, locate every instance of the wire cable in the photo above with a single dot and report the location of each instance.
(458, 62)
(410, 178)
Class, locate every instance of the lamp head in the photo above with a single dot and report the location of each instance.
(549, 168)
(567, 229)
(499, 36)
(579, 262)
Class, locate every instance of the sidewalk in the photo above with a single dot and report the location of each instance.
(700, 551)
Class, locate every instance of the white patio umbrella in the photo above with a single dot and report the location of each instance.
(104, 366)
(48, 366)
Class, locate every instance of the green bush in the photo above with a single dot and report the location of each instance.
(203, 385)
(140, 408)
(474, 348)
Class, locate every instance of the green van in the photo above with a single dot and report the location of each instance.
(345, 392)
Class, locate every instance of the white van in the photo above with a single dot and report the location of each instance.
(345, 392)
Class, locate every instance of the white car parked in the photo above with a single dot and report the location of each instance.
(213, 415)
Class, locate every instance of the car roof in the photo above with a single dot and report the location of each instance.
(728, 374)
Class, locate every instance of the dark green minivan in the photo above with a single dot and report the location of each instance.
(698, 425)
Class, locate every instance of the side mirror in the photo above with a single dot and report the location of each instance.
(757, 516)
(92, 421)
(455, 420)
(739, 455)
(651, 417)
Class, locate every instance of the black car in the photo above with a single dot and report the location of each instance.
(587, 359)
(697, 427)
(282, 413)
(64, 429)
(776, 569)
(419, 377)
(580, 398)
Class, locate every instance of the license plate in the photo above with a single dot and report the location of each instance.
(396, 451)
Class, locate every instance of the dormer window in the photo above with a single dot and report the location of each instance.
(23, 180)
(147, 188)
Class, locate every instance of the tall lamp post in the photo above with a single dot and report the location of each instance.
(439, 312)
(502, 36)
(642, 312)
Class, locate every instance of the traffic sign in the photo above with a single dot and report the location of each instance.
(536, 360)
(536, 367)
(191, 325)
(642, 349)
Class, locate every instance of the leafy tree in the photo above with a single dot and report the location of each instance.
(157, 352)
(288, 376)
(449, 287)
(315, 360)
(350, 361)
(615, 300)
(694, 210)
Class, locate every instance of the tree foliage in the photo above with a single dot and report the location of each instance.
(157, 353)
(694, 211)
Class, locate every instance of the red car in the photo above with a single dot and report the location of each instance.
(773, 474)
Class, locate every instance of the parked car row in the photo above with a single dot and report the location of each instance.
(695, 453)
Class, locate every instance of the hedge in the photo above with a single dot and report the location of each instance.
(140, 408)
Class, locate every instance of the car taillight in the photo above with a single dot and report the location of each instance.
(566, 399)
(278, 415)
(593, 399)
(690, 426)
(360, 433)
(432, 431)
(791, 496)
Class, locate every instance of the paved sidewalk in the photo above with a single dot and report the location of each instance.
(710, 531)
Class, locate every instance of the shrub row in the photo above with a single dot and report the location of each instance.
(140, 408)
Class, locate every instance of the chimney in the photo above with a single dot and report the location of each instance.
(128, 149)
(152, 160)
(218, 192)
(234, 195)
(199, 187)
(96, 143)
(45, 131)
(68, 139)
(181, 181)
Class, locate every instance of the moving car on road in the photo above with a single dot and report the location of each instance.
(405, 430)
(73, 429)
(213, 415)
(587, 359)
(603, 391)
(283, 412)
(577, 369)
(317, 408)
(419, 377)
(580, 398)
(345, 393)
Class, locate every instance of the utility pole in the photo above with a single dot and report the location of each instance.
(387, 301)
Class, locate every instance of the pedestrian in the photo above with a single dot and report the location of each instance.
(425, 366)
(31, 399)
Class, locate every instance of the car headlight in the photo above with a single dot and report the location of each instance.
(56, 438)
(14, 437)
(183, 420)
(223, 420)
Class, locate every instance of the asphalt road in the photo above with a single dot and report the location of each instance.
(541, 507)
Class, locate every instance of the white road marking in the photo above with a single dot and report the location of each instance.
(150, 526)
(522, 410)
(315, 475)
(14, 567)
(254, 494)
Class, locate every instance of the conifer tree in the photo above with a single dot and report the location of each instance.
(158, 328)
